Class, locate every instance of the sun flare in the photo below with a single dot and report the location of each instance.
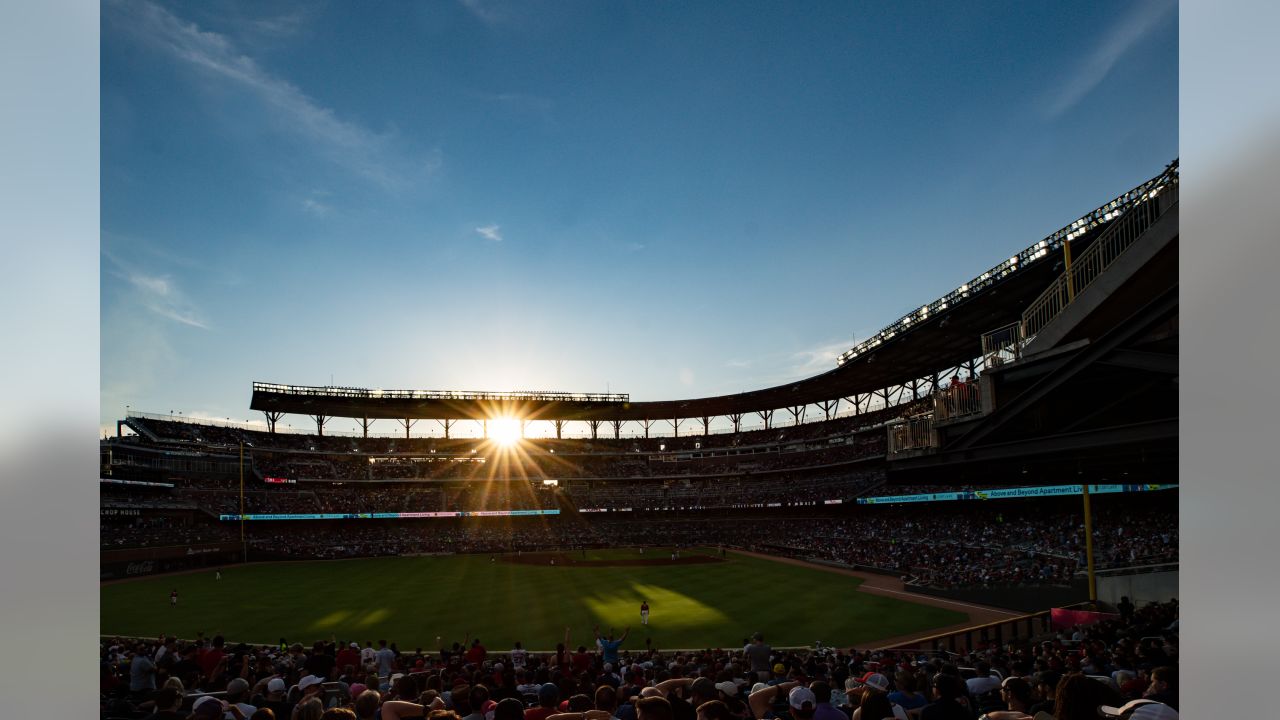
(505, 431)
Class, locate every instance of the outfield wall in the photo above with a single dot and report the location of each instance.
(1028, 599)
(1140, 587)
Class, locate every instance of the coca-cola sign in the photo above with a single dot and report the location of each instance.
(140, 568)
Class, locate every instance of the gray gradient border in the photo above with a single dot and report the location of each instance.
(1229, 119)
(49, 197)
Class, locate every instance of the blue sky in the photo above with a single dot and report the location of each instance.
(664, 199)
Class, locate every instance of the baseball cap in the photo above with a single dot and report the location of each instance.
(704, 687)
(876, 681)
(758, 687)
(358, 688)
(275, 685)
(207, 707)
(548, 693)
(354, 645)
(800, 695)
(308, 681)
(779, 669)
(1140, 710)
(727, 687)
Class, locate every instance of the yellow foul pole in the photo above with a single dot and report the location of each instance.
(1071, 280)
(244, 548)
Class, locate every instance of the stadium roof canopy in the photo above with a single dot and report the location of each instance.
(941, 335)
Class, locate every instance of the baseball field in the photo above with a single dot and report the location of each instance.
(700, 600)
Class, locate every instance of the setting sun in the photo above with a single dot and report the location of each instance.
(505, 431)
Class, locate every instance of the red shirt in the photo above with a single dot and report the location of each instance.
(539, 713)
(348, 656)
(475, 654)
(208, 661)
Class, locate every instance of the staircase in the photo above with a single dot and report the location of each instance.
(1132, 222)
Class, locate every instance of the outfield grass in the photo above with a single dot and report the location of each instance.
(413, 600)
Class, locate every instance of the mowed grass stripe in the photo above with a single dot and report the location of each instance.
(412, 600)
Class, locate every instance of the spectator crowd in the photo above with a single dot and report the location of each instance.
(1103, 670)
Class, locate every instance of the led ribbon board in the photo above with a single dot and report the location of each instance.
(389, 516)
(1007, 493)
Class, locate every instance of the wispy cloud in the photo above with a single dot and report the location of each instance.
(738, 363)
(347, 143)
(523, 104)
(490, 232)
(634, 247)
(280, 25)
(1095, 66)
(156, 293)
(819, 358)
(314, 205)
(486, 11)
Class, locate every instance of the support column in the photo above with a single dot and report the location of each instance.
(447, 423)
(933, 390)
(320, 421)
(559, 427)
(647, 424)
(364, 425)
(857, 404)
(706, 426)
(675, 427)
(767, 417)
(737, 421)
(797, 413)
(828, 407)
(595, 428)
(272, 418)
(407, 423)
(617, 429)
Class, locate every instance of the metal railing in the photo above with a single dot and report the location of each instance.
(1123, 231)
(1034, 254)
(957, 401)
(913, 434)
(1002, 345)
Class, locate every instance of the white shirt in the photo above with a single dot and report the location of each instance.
(982, 685)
